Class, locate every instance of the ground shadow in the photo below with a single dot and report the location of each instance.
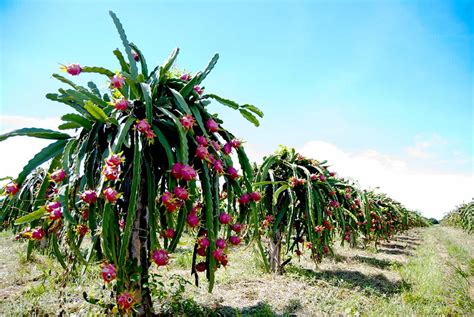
(409, 246)
(260, 309)
(338, 258)
(378, 263)
(377, 284)
(394, 251)
(394, 246)
(408, 239)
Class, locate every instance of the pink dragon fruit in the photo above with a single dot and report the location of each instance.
(125, 301)
(237, 227)
(111, 195)
(202, 153)
(232, 172)
(12, 188)
(211, 159)
(198, 89)
(111, 173)
(203, 242)
(192, 220)
(114, 160)
(56, 214)
(169, 202)
(37, 234)
(82, 230)
(224, 261)
(201, 251)
(181, 193)
(176, 170)
(188, 173)
(136, 57)
(172, 207)
(52, 205)
(168, 233)
(109, 273)
(201, 140)
(227, 148)
(225, 218)
(212, 126)
(220, 256)
(255, 196)
(160, 257)
(121, 104)
(334, 204)
(201, 266)
(218, 166)
(167, 198)
(187, 121)
(322, 178)
(58, 176)
(235, 240)
(73, 69)
(220, 243)
(142, 125)
(185, 77)
(117, 81)
(244, 199)
(235, 143)
(216, 145)
(89, 196)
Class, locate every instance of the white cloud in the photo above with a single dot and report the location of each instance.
(433, 193)
(425, 146)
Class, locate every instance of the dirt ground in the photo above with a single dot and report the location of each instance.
(353, 282)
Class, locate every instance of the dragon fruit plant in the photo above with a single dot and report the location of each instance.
(385, 217)
(298, 210)
(305, 206)
(351, 223)
(145, 162)
(462, 217)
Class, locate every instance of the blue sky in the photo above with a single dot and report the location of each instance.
(395, 77)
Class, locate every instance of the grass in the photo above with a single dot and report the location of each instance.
(439, 286)
(430, 274)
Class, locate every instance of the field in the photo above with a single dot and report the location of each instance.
(426, 271)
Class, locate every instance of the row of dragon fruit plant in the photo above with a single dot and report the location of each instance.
(306, 206)
(461, 217)
(148, 163)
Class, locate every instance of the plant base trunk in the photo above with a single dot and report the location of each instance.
(274, 254)
(139, 251)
